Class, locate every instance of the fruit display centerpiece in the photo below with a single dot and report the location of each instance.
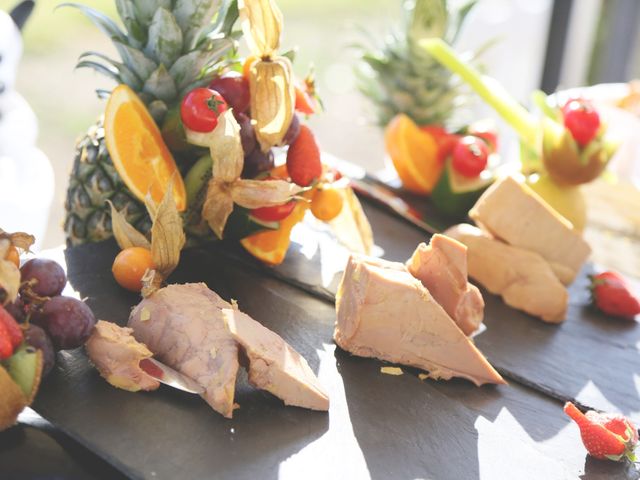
(567, 147)
(189, 112)
(416, 99)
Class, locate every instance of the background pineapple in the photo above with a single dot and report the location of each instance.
(167, 48)
(401, 77)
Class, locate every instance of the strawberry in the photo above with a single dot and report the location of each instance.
(13, 329)
(6, 348)
(605, 436)
(304, 103)
(612, 295)
(303, 158)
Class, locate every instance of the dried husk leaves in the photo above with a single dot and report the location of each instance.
(226, 187)
(261, 22)
(167, 233)
(351, 226)
(272, 99)
(19, 240)
(9, 273)
(125, 234)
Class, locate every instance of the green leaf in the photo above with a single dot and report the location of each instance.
(125, 74)
(190, 67)
(127, 12)
(165, 38)
(146, 9)
(141, 65)
(100, 68)
(100, 20)
(193, 16)
(161, 85)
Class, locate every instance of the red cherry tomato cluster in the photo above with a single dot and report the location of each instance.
(201, 108)
(581, 119)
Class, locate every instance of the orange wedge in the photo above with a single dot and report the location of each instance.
(271, 246)
(139, 154)
(414, 154)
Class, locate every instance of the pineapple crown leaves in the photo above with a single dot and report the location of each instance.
(167, 48)
(399, 76)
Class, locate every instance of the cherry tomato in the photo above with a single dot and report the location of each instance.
(581, 119)
(486, 131)
(470, 156)
(201, 108)
(304, 103)
(274, 213)
(234, 88)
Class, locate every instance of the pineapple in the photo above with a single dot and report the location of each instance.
(401, 77)
(167, 48)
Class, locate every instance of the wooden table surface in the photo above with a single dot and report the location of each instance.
(379, 426)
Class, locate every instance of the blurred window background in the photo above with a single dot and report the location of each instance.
(592, 41)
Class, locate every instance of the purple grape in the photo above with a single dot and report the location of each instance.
(49, 277)
(292, 132)
(247, 134)
(67, 321)
(256, 163)
(38, 338)
(235, 90)
(16, 309)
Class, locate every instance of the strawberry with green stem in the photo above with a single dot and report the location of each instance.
(612, 294)
(605, 436)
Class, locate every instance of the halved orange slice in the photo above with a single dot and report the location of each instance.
(414, 153)
(271, 246)
(137, 149)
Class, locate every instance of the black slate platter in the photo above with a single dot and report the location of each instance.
(378, 426)
(590, 358)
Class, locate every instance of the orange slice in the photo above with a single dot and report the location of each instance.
(139, 154)
(271, 246)
(414, 154)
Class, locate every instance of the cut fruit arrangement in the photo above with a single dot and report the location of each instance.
(187, 104)
(36, 320)
(559, 152)
(416, 99)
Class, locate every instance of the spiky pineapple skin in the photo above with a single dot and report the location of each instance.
(93, 181)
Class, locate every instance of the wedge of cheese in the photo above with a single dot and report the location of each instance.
(523, 278)
(386, 313)
(512, 212)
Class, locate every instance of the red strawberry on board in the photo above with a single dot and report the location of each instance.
(605, 436)
(11, 326)
(303, 158)
(611, 294)
(6, 349)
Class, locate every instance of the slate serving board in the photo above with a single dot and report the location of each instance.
(379, 426)
(590, 358)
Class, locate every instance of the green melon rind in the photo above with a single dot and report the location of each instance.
(454, 194)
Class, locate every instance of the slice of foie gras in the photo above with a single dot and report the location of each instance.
(386, 313)
(117, 355)
(523, 278)
(512, 212)
(184, 327)
(274, 365)
(441, 266)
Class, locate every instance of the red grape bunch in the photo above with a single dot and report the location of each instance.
(48, 320)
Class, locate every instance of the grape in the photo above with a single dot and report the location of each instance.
(256, 163)
(16, 309)
(67, 321)
(49, 277)
(235, 90)
(292, 132)
(38, 338)
(247, 134)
